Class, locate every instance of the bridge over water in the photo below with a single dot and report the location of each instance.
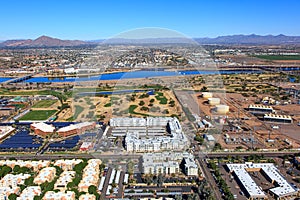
(19, 79)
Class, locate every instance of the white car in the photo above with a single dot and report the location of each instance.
(275, 127)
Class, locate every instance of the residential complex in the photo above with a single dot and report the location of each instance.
(282, 189)
(51, 195)
(87, 197)
(169, 163)
(67, 164)
(46, 174)
(150, 134)
(90, 175)
(63, 180)
(35, 165)
(30, 192)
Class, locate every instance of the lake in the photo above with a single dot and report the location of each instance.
(137, 74)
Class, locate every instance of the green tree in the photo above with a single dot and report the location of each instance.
(199, 138)
(16, 169)
(29, 181)
(142, 103)
(12, 196)
(5, 170)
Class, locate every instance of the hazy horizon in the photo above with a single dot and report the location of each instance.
(94, 20)
(96, 39)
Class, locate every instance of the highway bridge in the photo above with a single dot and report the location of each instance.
(19, 79)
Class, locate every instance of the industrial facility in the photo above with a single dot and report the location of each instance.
(260, 109)
(278, 118)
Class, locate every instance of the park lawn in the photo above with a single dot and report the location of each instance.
(108, 104)
(161, 98)
(44, 103)
(278, 57)
(19, 106)
(78, 110)
(133, 107)
(38, 115)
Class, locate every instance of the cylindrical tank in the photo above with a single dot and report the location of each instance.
(222, 109)
(214, 101)
(207, 95)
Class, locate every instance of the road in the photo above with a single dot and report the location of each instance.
(265, 153)
(210, 180)
(70, 156)
(137, 155)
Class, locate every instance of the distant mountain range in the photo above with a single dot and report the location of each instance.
(251, 39)
(45, 41)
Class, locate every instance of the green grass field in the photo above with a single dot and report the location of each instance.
(44, 103)
(78, 110)
(108, 104)
(19, 106)
(38, 115)
(133, 107)
(278, 57)
(161, 98)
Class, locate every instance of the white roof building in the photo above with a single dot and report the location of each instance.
(46, 174)
(283, 189)
(6, 191)
(67, 164)
(5, 131)
(262, 108)
(51, 195)
(169, 163)
(278, 118)
(87, 197)
(75, 126)
(65, 178)
(90, 175)
(150, 134)
(30, 192)
(43, 127)
(11, 180)
(35, 164)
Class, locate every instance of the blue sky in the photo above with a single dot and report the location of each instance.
(98, 19)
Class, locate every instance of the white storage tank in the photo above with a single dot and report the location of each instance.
(207, 95)
(222, 109)
(214, 101)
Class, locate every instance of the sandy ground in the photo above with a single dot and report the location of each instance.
(119, 106)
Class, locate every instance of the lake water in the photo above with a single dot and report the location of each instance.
(137, 74)
(2, 79)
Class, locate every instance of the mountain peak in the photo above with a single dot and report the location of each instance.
(43, 37)
(46, 41)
